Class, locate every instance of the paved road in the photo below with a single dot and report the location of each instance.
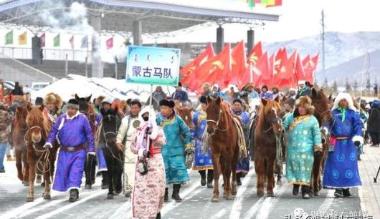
(93, 204)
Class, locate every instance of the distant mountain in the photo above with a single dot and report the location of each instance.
(357, 69)
(340, 47)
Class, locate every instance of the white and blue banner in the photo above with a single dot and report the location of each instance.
(153, 65)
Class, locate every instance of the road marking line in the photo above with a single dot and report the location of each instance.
(237, 205)
(59, 210)
(269, 203)
(252, 211)
(39, 208)
(193, 190)
(219, 214)
(325, 206)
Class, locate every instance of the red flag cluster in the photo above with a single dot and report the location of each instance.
(231, 66)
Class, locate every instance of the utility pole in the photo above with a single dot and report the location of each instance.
(323, 41)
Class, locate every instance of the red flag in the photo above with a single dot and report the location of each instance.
(187, 71)
(72, 42)
(214, 70)
(256, 53)
(275, 3)
(298, 70)
(260, 71)
(238, 64)
(288, 78)
(109, 43)
(42, 40)
(279, 69)
(310, 65)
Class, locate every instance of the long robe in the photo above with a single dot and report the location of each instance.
(71, 132)
(243, 163)
(303, 136)
(202, 161)
(341, 169)
(177, 135)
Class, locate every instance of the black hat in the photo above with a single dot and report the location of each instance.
(203, 99)
(39, 101)
(168, 103)
(238, 101)
(73, 103)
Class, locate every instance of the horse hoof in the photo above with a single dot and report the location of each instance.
(29, 199)
(260, 194)
(271, 195)
(47, 196)
(215, 199)
(110, 196)
(87, 186)
(316, 193)
(26, 183)
(43, 184)
(229, 197)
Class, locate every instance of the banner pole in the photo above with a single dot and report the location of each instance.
(151, 95)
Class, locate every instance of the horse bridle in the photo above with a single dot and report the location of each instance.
(217, 122)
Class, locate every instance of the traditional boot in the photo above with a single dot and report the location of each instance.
(305, 192)
(238, 180)
(346, 193)
(203, 177)
(74, 195)
(105, 182)
(158, 215)
(210, 177)
(175, 195)
(166, 197)
(338, 193)
(296, 189)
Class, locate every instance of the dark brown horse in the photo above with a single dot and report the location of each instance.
(40, 159)
(322, 112)
(87, 109)
(224, 142)
(268, 128)
(18, 131)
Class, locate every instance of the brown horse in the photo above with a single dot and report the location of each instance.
(224, 142)
(40, 159)
(268, 128)
(18, 131)
(322, 112)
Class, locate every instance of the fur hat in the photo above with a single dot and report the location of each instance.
(305, 102)
(55, 99)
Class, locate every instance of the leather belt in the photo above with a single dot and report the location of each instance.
(341, 138)
(73, 149)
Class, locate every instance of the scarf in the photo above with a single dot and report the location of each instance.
(343, 112)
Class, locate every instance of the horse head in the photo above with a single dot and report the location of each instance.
(321, 104)
(213, 111)
(110, 126)
(185, 112)
(270, 115)
(36, 123)
(84, 103)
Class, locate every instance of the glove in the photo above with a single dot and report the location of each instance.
(91, 154)
(357, 143)
(47, 146)
(189, 148)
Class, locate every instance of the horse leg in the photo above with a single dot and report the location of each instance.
(216, 164)
(26, 167)
(47, 182)
(227, 170)
(259, 168)
(315, 185)
(270, 177)
(20, 174)
(32, 176)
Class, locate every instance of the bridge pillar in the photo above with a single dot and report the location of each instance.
(137, 31)
(219, 39)
(96, 58)
(250, 41)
